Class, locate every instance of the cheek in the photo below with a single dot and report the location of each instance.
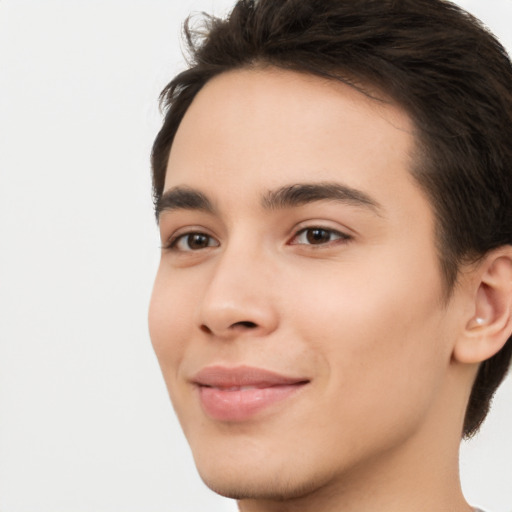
(169, 320)
(379, 333)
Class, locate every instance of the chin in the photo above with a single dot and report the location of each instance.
(262, 481)
(250, 488)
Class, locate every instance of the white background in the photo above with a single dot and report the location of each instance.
(85, 422)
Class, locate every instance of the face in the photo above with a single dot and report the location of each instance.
(297, 313)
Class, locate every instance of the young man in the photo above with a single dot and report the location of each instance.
(332, 311)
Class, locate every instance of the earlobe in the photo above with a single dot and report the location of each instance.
(490, 325)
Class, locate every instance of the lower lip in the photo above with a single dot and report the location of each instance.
(241, 405)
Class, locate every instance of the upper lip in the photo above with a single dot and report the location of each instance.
(225, 377)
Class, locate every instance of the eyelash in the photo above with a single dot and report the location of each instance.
(339, 237)
(174, 241)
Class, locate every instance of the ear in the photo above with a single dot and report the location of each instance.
(490, 323)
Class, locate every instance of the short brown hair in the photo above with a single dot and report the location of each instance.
(432, 58)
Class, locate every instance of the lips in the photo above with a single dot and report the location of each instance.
(238, 394)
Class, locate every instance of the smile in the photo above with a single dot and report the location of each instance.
(238, 394)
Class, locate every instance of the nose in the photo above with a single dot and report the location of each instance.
(239, 298)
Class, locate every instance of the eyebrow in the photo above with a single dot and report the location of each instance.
(183, 198)
(303, 193)
(289, 196)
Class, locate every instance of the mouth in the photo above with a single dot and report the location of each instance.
(238, 394)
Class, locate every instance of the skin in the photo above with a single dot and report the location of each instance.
(361, 314)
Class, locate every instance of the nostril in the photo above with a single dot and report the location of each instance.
(206, 329)
(249, 325)
(237, 326)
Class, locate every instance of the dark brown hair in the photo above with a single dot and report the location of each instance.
(434, 60)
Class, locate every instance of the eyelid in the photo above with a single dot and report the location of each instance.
(171, 241)
(342, 236)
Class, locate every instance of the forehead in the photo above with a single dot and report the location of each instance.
(254, 130)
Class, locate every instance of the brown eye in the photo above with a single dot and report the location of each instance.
(318, 236)
(193, 242)
(197, 241)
